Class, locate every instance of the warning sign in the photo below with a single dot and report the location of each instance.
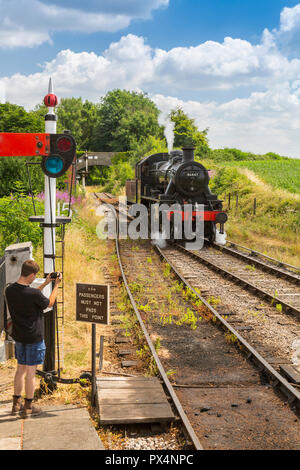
(92, 303)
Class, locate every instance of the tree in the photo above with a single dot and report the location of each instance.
(14, 118)
(187, 134)
(79, 118)
(124, 119)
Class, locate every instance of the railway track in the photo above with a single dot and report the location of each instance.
(225, 401)
(278, 286)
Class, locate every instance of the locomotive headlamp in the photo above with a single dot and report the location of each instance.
(62, 152)
(221, 218)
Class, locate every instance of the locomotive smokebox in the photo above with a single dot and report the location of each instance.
(188, 154)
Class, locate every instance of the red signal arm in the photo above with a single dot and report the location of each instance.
(24, 144)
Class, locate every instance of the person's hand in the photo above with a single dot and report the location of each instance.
(48, 279)
(58, 279)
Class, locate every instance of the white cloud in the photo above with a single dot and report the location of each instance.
(265, 120)
(28, 23)
(262, 123)
(2, 93)
(287, 36)
(290, 18)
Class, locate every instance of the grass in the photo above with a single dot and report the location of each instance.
(275, 228)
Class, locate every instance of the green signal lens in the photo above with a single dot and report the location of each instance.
(54, 164)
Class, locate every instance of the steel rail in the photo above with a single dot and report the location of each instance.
(287, 308)
(277, 380)
(254, 261)
(262, 255)
(186, 423)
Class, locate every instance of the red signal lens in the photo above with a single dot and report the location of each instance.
(64, 144)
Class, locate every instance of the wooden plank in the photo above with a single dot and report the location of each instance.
(122, 339)
(125, 352)
(140, 378)
(127, 385)
(129, 363)
(243, 328)
(108, 396)
(135, 413)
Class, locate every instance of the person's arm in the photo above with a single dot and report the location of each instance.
(54, 292)
(47, 281)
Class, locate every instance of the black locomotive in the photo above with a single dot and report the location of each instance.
(177, 178)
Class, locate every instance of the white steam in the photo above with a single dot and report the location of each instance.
(165, 121)
(159, 239)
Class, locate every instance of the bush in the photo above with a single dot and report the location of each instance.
(14, 224)
(229, 179)
(227, 154)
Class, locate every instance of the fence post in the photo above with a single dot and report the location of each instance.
(237, 202)
(254, 206)
(229, 197)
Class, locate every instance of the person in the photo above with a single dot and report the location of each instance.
(26, 306)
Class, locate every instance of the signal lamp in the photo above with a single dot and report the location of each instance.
(62, 152)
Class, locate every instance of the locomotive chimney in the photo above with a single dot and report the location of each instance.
(188, 154)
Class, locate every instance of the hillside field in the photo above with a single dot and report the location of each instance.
(281, 174)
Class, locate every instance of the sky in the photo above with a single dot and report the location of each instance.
(232, 65)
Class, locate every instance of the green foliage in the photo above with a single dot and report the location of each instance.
(14, 118)
(98, 175)
(189, 318)
(187, 134)
(13, 169)
(14, 224)
(80, 118)
(230, 180)
(118, 175)
(147, 146)
(124, 119)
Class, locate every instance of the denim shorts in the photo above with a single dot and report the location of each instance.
(30, 354)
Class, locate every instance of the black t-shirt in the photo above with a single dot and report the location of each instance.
(26, 306)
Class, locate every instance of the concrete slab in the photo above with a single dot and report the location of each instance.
(10, 443)
(61, 427)
(10, 427)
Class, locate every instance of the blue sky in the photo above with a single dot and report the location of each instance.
(232, 65)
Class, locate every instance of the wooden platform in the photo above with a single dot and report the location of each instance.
(123, 400)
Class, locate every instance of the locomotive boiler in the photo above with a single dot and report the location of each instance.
(176, 178)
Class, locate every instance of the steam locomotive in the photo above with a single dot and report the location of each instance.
(176, 178)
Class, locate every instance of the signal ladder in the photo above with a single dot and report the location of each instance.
(60, 308)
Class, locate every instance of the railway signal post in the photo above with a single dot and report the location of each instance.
(50, 100)
(57, 152)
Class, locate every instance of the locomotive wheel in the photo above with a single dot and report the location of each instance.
(212, 232)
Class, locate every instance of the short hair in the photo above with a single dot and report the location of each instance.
(29, 267)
